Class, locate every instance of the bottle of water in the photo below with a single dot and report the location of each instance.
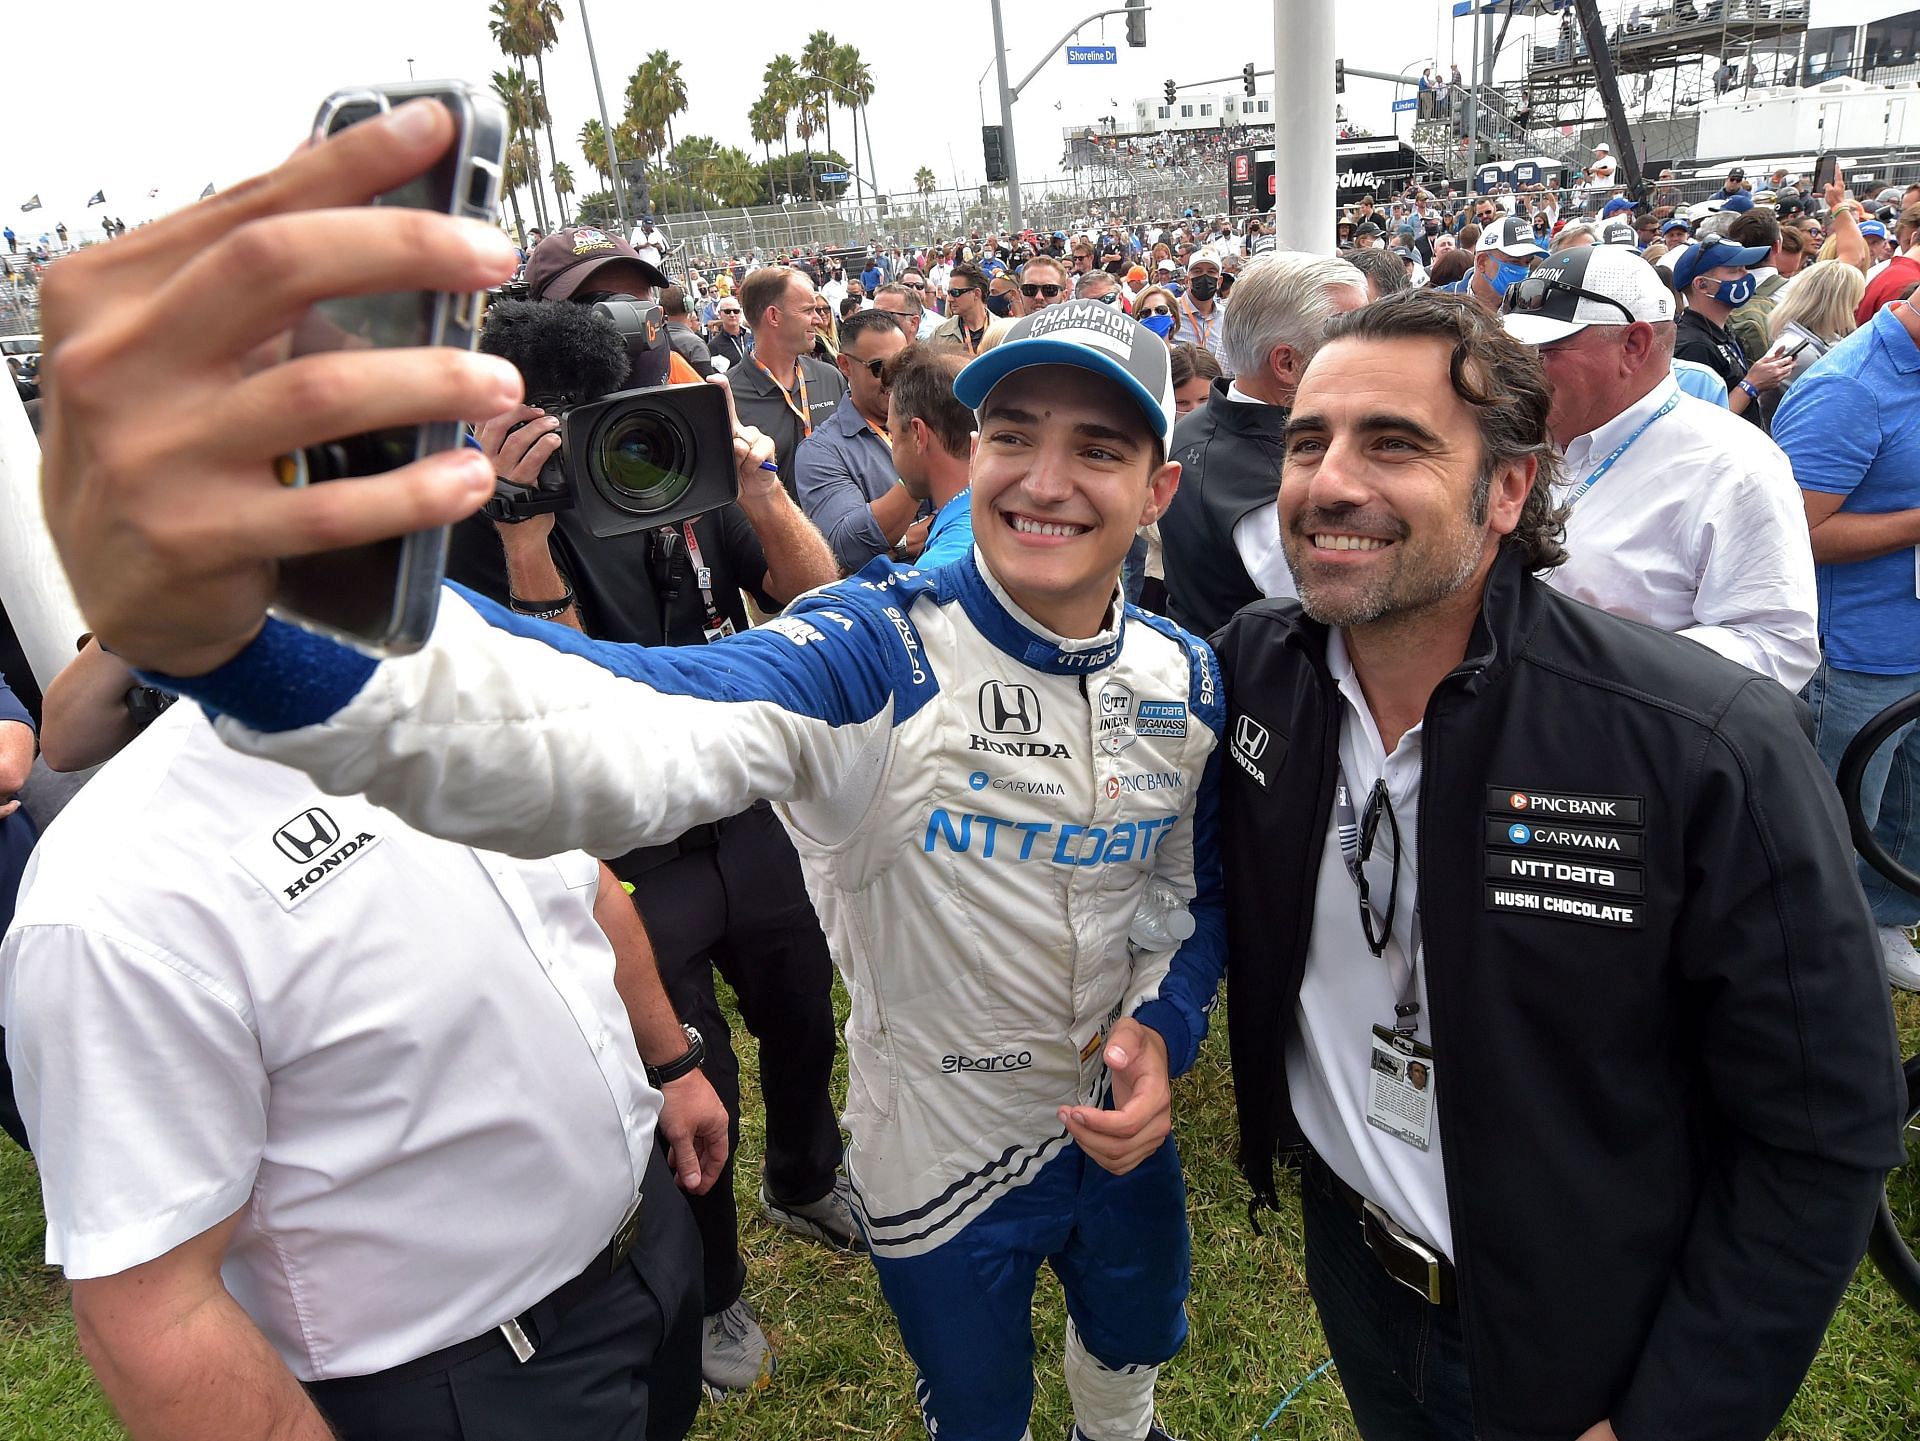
(1161, 921)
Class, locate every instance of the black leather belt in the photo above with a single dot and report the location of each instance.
(524, 1334)
(1403, 1255)
(650, 858)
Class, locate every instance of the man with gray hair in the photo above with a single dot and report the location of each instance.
(1221, 537)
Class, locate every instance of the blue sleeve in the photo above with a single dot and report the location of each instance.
(10, 707)
(1829, 426)
(830, 494)
(1179, 1013)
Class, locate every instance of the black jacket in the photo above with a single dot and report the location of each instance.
(1229, 454)
(1666, 1116)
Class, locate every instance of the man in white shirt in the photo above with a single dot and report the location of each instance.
(339, 1126)
(650, 241)
(1229, 450)
(1682, 516)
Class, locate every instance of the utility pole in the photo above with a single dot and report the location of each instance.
(606, 125)
(1303, 130)
(1014, 219)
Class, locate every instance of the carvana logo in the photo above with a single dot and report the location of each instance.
(978, 780)
(1519, 834)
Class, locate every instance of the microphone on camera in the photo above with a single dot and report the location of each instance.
(566, 354)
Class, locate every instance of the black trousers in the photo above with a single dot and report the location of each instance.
(741, 907)
(624, 1367)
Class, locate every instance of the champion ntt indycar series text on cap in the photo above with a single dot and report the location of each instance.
(1088, 336)
(979, 806)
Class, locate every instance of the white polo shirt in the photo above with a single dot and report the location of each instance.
(1697, 529)
(1256, 535)
(1347, 990)
(405, 1059)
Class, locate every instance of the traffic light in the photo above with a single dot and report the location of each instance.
(990, 140)
(1136, 23)
(1246, 78)
(1339, 77)
(1170, 90)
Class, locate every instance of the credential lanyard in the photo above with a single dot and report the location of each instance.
(1606, 465)
(1202, 334)
(1406, 1010)
(800, 411)
(702, 576)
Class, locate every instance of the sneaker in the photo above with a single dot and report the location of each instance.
(1074, 1433)
(1903, 961)
(829, 1219)
(734, 1352)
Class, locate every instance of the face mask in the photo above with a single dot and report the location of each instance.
(1734, 292)
(1204, 287)
(1000, 304)
(1508, 274)
(1160, 325)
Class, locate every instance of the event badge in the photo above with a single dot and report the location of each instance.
(718, 632)
(1400, 1088)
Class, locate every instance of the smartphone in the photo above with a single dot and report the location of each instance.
(382, 597)
(1824, 170)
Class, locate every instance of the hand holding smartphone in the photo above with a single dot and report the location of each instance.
(382, 597)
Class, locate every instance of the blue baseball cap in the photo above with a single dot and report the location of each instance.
(1741, 202)
(1873, 228)
(1676, 223)
(1088, 335)
(1712, 253)
(1615, 206)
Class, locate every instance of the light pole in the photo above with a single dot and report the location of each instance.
(606, 125)
(1007, 152)
(1303, 164)
(979, 93)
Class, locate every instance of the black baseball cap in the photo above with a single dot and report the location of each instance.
(561, 264)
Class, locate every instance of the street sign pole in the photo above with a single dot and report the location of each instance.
(1303, 150)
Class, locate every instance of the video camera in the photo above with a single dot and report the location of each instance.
(629, 460)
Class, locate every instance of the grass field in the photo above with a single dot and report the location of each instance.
(843, 1373)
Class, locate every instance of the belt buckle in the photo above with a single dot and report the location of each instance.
(517, 1339)
(1381, 1231)
(626, 1232)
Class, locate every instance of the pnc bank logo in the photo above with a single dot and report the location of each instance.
(1011, 710)
(306, 835)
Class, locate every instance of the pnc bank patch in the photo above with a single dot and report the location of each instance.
(1566, 806)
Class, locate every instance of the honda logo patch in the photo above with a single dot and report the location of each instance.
(306, 835)
(1009, 710)
(1249, 744)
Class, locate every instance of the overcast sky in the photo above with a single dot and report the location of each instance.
(135, 97)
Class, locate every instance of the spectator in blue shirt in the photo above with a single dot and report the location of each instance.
(1851, 427)
(933, 447)
(872, 278)
(844, 475)
(17, 836)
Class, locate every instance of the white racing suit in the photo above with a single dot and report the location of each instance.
(977, 804)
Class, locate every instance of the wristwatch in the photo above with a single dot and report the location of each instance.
(673, 1070)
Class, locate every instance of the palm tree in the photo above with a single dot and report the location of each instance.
(543, 27)
(514, 30)
(765, 124)
(819, 58)
(784, 89)
(511, 179)
(593, 145)
(809, 115)
(656, 93)
(514, 92)
(562, 175)
(924, 182)
(853, 84)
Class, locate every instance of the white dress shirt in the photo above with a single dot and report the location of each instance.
(1347, 990)
(404, 1060)
(1256, 535)
(1697, 529)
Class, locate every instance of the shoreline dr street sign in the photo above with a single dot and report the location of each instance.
(834, 177)
(1093, 55)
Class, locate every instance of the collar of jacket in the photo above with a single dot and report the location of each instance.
(1011, 630)
(1269, 422)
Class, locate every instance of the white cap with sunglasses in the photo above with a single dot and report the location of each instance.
(1589, 285)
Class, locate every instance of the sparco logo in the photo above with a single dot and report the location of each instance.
(1013, 1061)
(1010, 710)
(306, 835)
(336, 858)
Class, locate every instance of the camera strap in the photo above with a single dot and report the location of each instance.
(717, 624)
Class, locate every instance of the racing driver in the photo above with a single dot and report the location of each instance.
(993, 771)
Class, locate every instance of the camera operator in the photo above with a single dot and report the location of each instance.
(728, 894)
